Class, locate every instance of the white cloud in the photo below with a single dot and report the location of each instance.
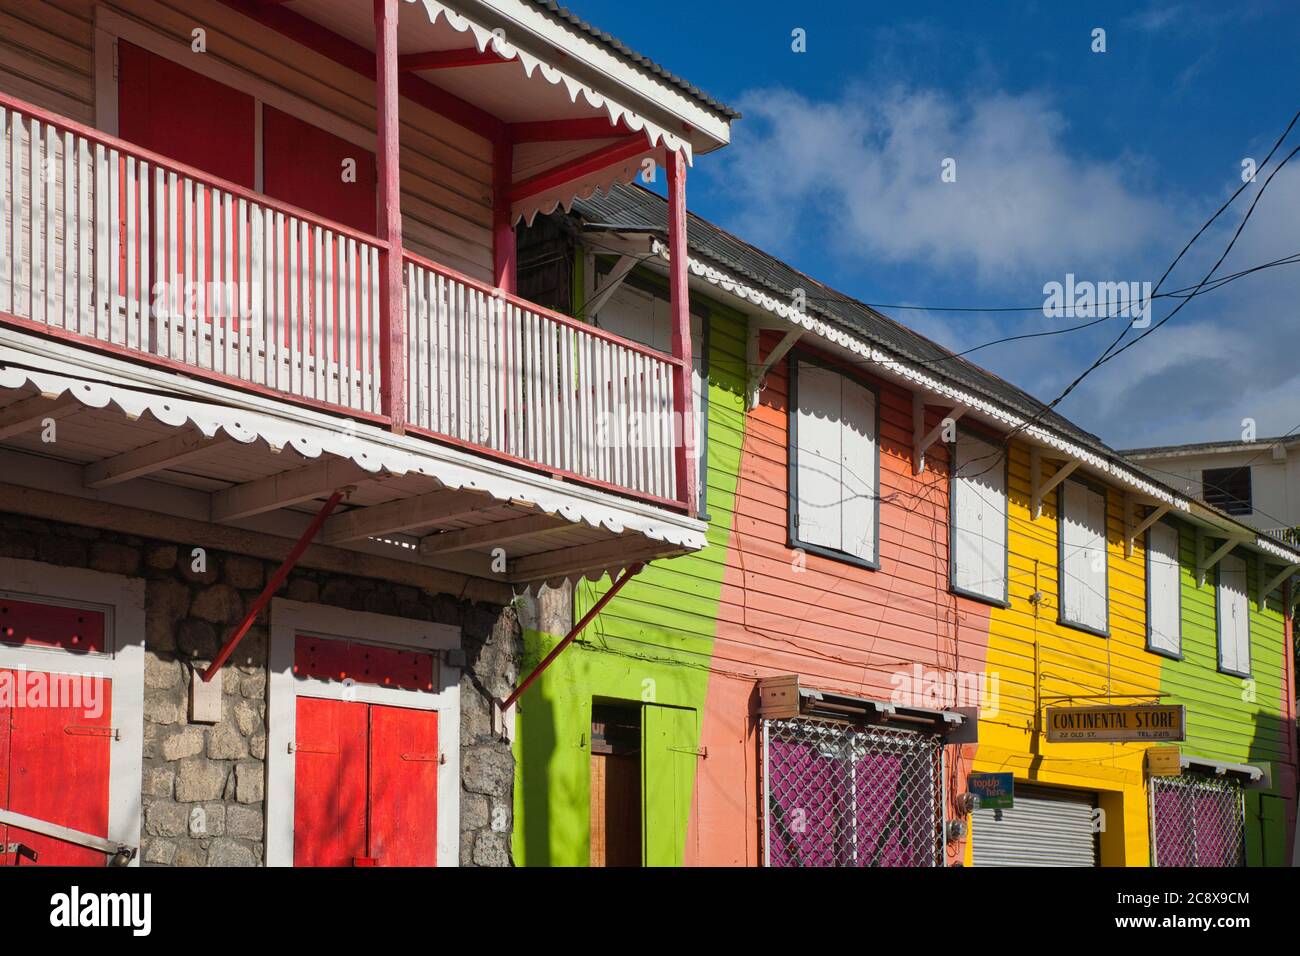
(867, 167)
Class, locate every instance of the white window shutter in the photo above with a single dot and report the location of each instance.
(858, 470)
(817, 468)
(1234, 616)
(1083, 568)
(979, 518)
(1163, 603)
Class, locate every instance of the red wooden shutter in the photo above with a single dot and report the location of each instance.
(329, 823)
(403, 786)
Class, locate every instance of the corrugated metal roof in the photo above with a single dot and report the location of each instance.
(565, 15)
(638, 208)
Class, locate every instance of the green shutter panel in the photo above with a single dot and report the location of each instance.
(669, 738)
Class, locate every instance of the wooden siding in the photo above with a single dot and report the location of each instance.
(47, 56)
(1230, 718)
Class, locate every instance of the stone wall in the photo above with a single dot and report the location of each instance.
(204, 784)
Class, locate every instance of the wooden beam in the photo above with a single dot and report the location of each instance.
(607, 288)
(566, 130)
(1277, 579)
(1204, 567)
(288, 488)
(1040, 489)
(581, 558)
(505, 249)
(921, 443)
(392, 305)
(160, 456)
(1152, 517)
(759, 372)
(687, 490)
(391, 517)
(28, 413)
(450, 59)
(492, 535)
(573, 169)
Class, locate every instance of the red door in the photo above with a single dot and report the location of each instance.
(58, 772)
(366, 785)
(366, 775)
(55, 735)
(329, 826)
(403, 786)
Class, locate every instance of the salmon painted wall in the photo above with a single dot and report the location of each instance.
(841, 627)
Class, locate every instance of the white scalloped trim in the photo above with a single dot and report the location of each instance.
(449, 467)
(564, 196)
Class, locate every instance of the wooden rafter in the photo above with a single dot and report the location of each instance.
(30, 412)
(287, 488)
(492, 535)
(450, 59)
(160, 456)
(598, 159)
(407, 514)
(921, 442)
(566, 130)
(1040, 489)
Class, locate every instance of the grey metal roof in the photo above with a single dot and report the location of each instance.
(565, 15)
(1191, 448)
(638, 208)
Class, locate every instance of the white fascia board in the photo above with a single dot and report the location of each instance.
(595, 66)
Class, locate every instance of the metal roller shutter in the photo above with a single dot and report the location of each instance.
(1044, 828)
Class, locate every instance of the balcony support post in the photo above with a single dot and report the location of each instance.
(503, 221)
(392, 314)
(683, 393)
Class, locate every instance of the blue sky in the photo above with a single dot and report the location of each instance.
(1067, 161)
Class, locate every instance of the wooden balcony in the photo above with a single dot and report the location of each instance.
(117, 248)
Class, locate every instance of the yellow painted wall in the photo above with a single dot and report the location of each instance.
(1036, 659)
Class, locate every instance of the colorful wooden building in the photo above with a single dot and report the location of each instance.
(280, 441)
(912, 570)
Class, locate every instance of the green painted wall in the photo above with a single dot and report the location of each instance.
(1228, 717)
(652, 644)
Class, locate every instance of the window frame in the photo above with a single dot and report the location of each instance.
(1234, 506)
(1178, 591)
(792, 461)
(1218, 617)
(1061, 619)
(993, 438)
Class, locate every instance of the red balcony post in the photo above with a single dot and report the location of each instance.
(392, 314)
(503, 223)
(683, 393)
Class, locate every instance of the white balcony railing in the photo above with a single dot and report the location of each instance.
(106, 243)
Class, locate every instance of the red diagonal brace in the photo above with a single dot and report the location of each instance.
(272, 586)
(569, 638)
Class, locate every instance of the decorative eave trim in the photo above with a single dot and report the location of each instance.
(56, 369)
(656, 135)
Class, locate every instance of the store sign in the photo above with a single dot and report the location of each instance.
(992, 791)
(1164, 761)
(1137, 723)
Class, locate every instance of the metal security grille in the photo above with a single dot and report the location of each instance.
(1197, 821)
(838, 795)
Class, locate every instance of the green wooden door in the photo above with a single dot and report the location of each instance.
(669, 741)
